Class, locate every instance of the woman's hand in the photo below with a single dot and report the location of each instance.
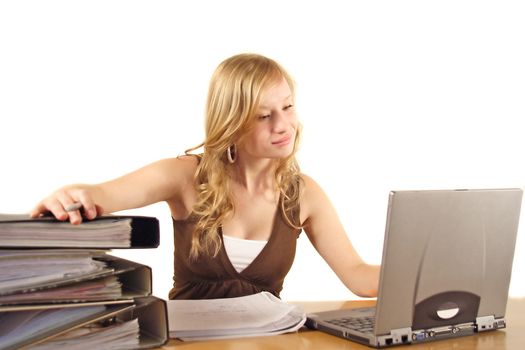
(61, 204)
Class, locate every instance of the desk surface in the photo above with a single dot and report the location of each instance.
(513, 337)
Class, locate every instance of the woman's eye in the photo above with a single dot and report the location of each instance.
(262, 117)
(288, 107)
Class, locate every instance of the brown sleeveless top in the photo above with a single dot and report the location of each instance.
(210, 277)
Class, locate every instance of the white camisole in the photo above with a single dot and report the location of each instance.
(242, 252)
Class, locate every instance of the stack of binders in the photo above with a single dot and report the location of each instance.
(59, 287)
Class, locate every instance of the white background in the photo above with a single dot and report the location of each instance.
(392, 95)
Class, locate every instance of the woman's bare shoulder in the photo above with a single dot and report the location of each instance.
(309, 184)
(178, 174)
(179, 165)
(312, 197)
(168, 175)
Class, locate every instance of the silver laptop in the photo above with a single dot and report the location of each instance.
(445, 272)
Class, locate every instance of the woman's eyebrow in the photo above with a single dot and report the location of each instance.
(284, 99)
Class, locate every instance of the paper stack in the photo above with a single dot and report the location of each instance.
(259, 314)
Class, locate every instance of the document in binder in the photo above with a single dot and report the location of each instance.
(59, 276)
(141, 324)
(104, 232)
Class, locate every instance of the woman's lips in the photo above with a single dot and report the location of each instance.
(283, 141)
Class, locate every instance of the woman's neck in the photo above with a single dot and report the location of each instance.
(255, 176)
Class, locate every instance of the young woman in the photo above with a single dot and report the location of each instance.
(238, 207)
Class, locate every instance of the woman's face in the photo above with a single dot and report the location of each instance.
(274, 130)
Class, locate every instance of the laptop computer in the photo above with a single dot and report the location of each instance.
(445, 272)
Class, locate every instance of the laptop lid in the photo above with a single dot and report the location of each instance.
(447, 257)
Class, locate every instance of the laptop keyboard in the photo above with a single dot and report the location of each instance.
(364, 324)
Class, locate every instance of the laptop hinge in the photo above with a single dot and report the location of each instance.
(396, 337)
(489, 323)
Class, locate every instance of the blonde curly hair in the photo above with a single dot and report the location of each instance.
(233, 98)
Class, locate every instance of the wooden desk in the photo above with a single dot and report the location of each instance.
(513, 337)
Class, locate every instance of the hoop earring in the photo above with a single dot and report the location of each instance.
(231, 153)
